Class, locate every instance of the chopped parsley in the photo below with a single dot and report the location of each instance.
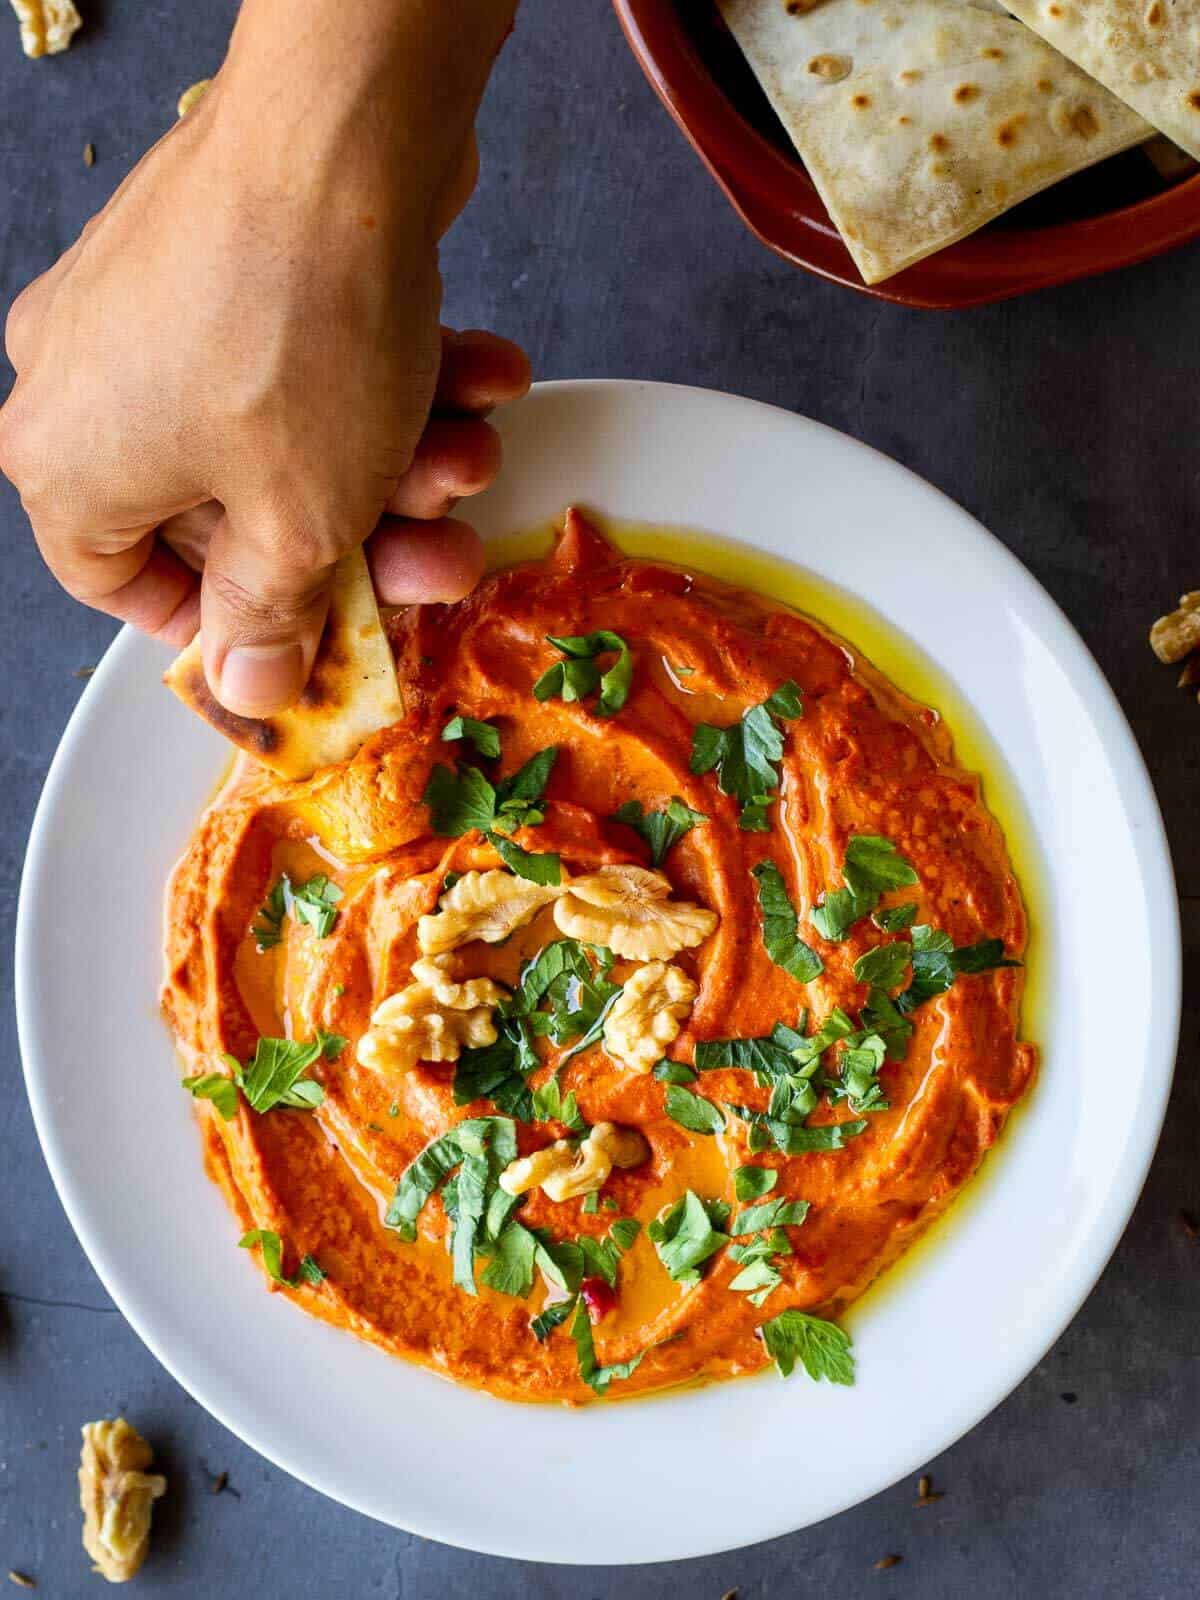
(751, 1183)
(480, 1211)
(771, 1214)
(551, 1317)
(673, 1072)
(215, 1086)
(602, 1257)
(272, 1254)
(746, 754)
(896, 919)
(483, 735)
(884, 966)
(687, 1233)
(551, 1105)
(780, 938)
(871, 867)
(759, 1262)
(597, 1377)
(822, 1348)
(273, 1077)
(794, 1139)
(693, 1111)
(859, 1083)
(496, 1135)
(578, 674)
(313, 902)
(936, 962)
(463, 800)
(660, 829)
(498, 1072)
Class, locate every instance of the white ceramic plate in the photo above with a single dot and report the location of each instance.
(699, 1471)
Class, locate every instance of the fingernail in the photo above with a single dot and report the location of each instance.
(257, 679)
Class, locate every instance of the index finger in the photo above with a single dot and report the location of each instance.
(479, 371)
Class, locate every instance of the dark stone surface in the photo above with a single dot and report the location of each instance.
(1065, 422)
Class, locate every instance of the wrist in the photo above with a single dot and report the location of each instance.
(385, 92)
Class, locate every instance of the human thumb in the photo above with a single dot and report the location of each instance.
(263, 602)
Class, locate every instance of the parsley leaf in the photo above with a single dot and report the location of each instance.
(273, 1077)
(439, 1158)
(459, 801)
(483, 735)
(551, 1105)
(498, 1072)
(525, 787)
(268, 929)
(673, 1072)
(578, 675)
(746, 754)
(885, 965)
(684, 1236)
(779, 926)
(767, 1057)
(660, 829)
(601, 1257)
(595, 1376)
(538, 868)
(871, 867)
(510, 1271)
(791, 1138)
(750, 1183)
(315, 902)
(936, 963)
(465, 800)
(693, 1111)
(822, 1348)
(551, 1317)
(859, 1083)
(215, 1086)
(757, 1279)
(272, 1254)
(896, 919)
(881, 1016)
(771, 1214)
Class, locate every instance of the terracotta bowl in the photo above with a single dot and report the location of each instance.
(1118, 212)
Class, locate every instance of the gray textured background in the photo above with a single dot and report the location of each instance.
(1065, 422)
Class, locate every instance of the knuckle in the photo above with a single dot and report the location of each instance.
(272, 604)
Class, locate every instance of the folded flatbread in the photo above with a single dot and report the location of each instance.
(1146, 51)
(920, 120)
(351, 693)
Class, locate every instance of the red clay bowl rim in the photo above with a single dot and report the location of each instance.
(777, 201)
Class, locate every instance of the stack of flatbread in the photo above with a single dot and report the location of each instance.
(920, 120)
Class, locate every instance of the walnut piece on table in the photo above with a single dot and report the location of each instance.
(46, 25)
(117, 1495)
(1176, 635)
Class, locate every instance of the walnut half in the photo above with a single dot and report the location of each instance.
(564, 1171)
(46, 25)
(648, 1014)
(117, 1495)
(629, 909)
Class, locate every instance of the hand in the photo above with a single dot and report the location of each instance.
(233, 371)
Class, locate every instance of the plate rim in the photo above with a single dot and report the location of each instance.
(1152, 851)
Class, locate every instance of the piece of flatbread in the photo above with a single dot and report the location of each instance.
(1145, 51)
(351, 694)
(920, 120)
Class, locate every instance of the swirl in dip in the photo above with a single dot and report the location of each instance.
(755, 1034)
